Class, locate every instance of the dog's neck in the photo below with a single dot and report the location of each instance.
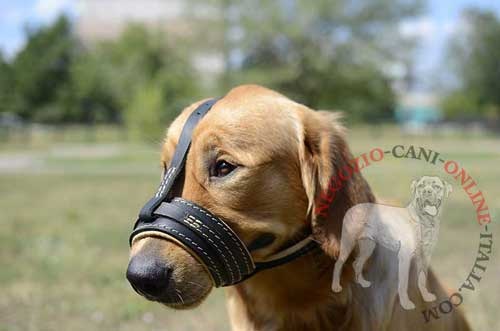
(421, 217)
(295, 296)
(298, 295)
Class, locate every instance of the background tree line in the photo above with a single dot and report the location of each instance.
(326, 54)
(474, 54)
(134, 80)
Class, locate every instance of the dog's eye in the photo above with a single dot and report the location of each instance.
(222, 168)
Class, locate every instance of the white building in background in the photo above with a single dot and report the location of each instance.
(418, 112)
(106, 19)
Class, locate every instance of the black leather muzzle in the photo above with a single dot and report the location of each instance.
(212, 242)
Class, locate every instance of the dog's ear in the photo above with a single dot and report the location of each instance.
(447, 188)
(319, 131)
(323, 153)
(413, 187)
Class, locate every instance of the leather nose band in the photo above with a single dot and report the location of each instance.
(219, 235)
(215, 243)
(189, 238)
(222, 232)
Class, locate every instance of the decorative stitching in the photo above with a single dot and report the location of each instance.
(217, 247)
(201, 249)
(164, 182)
(219, 222)
(222, 241)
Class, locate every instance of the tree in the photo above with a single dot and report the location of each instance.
(6, 85)
(327, 54)
(141, 116)
(107, 79)
(41, 69)
(55, 79)
(474, 54)
(140, 56)
(89, 96)
(142, 64)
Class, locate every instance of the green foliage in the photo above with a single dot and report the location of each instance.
(326, 54)
(476, 62)
(141, 58)
(149, 79)
(89, 96)
(460, 104)
(54, 79)
(143, 114)
(325, 82)
(6, 85)
(41, 70)
(109, 79)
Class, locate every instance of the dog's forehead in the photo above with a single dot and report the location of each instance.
(251, 120)
(253, 109)
(428, 180)
(248, 119)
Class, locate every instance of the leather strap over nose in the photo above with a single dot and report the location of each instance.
(177, 164)
(204, 235)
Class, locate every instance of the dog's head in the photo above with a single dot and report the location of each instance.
(258, 161)
(428, 194)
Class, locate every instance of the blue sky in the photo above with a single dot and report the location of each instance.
(433, 28)
(15, 14)
(441, 20)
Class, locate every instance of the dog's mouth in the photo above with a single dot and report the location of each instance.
(177, 297)
(431, 206)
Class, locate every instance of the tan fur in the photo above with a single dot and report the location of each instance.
(287, 154)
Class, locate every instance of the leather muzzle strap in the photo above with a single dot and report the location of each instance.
(177, 164)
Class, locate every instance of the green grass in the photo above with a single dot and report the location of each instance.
(64, 245)
(67, 209)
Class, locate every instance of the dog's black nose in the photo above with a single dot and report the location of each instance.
(148, 276)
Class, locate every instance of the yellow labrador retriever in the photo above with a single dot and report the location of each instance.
(259, 161)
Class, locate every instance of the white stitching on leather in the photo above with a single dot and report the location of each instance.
(222, 241)
(201, 249)
(217, 247)
(164, 182)
(219, 222)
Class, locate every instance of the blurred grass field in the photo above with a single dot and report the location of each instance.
(67, 209)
